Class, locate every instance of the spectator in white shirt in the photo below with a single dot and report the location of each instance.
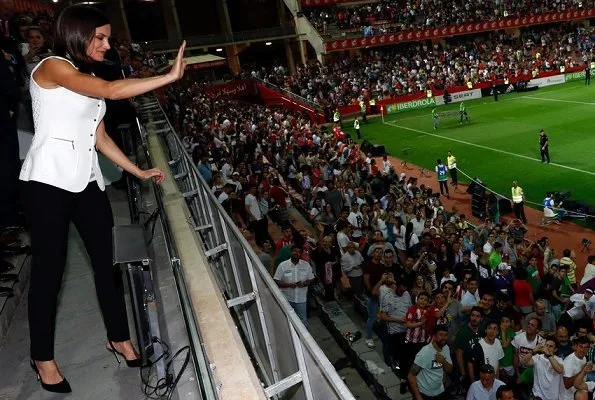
(257, 221)
(226, 170)
(583, 388)
(487, 350)
(589, 270)
(487, 386)
(573, 364)
(351, 263)
(386, 165)
(343, 229)
(393, 305)
(489, 245)
(471, 296)
(293, 277)
(355, 218)
(583, 309)
(418, 224)
(548, 370)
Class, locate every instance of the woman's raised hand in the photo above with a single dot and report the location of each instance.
(177, 69)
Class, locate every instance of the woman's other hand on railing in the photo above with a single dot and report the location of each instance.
(177, 69)
(155, 173)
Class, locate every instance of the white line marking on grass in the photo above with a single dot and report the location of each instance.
(488, 148)
(558, 100)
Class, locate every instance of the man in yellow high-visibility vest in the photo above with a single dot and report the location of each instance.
(518, 202)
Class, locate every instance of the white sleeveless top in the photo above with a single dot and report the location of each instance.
(63, 151)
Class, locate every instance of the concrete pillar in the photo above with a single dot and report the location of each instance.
(285, 20)
(117, 15)
(232, 59)
(289, 55)
(170, 17)
(303, 52)
(232, 50)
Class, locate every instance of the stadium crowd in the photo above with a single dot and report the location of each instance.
(386, 72)
(512, 312)
(403, 15)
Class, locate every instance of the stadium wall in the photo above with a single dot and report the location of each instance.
(462, 93)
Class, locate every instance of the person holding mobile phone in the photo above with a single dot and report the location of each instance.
(426, 376)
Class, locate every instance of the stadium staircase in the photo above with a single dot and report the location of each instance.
(343, 319)
(305, 29)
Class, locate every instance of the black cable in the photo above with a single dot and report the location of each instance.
(152, 219)
(164, 387)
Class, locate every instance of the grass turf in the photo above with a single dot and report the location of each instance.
(501, 141)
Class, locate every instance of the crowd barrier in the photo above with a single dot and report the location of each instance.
(286, 356)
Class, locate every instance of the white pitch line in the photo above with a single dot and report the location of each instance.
(489, 148)
(557, 100)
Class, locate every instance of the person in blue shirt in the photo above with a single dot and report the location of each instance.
(204, 167)
(441, 171)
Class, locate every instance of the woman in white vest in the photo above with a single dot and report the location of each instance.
(63, 181)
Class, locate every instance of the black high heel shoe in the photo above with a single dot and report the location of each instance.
(60, 387)
(130, 363)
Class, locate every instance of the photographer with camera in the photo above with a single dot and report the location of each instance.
(547, 369)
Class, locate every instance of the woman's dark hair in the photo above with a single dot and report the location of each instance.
(75, 29)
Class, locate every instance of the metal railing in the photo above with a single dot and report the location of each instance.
(285, 355)
(201, 364)
(309, 103)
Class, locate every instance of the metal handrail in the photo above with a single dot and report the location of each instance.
(286, 92)
(219, 234)
(199, 357)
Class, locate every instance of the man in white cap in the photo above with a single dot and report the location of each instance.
(503, 280)
(583, 309)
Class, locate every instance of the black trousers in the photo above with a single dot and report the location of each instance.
(396, 343)
(545, 154)
(453, 176)
(443, 188)
(261, 230)
(519, 211)
(49, 211)
(10, 167)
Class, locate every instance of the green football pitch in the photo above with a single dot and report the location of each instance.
(500, 143)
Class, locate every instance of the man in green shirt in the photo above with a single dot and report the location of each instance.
(533, 275)
(463, 112)
(435, 118)
(506, 336)
(496, 256)
(467, 336)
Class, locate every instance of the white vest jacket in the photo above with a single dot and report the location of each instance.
(63, 150)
